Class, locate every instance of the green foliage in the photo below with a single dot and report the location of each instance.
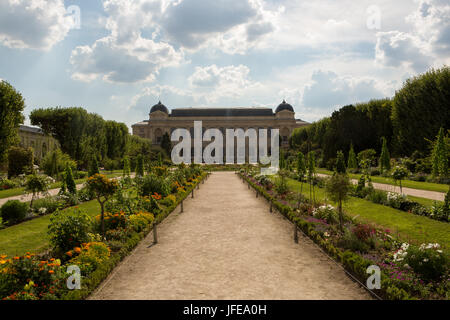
(11, 108)
(429, 261)
(154, 184)
(69, 229)
(338, 188)
(385, 158)
(282, 163)
(166, 144)
(126, 167)
(70, 182)
(301, 166)
(20, 161)
(281, 186)
(352, 162)
(140, 166)
(340, 162)
(13, 211)
(93, 167)
(116, 139)
(398, 174)
(36, 184)
(368, 155)
(55, 162)
(440, 155)
(421, 106)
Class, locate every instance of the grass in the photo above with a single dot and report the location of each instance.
(410, 227)
(31, 236)
(438, 187)
(19, 191)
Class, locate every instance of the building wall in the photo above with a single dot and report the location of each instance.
(41, 144)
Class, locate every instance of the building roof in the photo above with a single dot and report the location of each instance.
(221, 112)
(30, 129)
(159, 107)
(284, 106)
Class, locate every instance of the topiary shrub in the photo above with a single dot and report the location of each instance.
(14, 211)
(20, 161)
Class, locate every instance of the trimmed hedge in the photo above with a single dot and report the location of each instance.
(352, 262)
(101, 273)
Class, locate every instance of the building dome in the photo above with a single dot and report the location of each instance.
(159, 107)
(284, 106)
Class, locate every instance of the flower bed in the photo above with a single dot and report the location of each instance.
(76, 241)
(362, 245)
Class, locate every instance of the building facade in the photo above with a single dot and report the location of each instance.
(34, 137)
(162, 121)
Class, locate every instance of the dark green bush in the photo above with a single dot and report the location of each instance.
(14, 211)
(151, 184)
(20, 161)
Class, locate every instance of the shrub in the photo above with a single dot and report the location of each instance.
(113, 220)
(55, 162)
(428, 260)
(47, 205)
(140, 221)
(153, 183)
(6, 184)
(14, 211)
(377, 196)
(91, 256)
(169, 200)
(20, 161)
(69, 229)
(351, 242)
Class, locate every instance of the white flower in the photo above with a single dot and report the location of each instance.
(326, 234)
(425, 260)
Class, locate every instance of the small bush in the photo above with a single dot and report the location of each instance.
(47, 205)
(153, 184)
(428, 260)
(377, 196)
(6, 184)
(91, 256)
(14, 211)
(69, 229)
(20, 161)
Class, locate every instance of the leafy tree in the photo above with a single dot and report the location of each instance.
(69, 180)
(93, 167)
(20, 160)
(399, 174)
(369, 155)
(421, 106)
(340, 163)
(166, 144)
(116, 139)
(103, 188)
(385, 158)
(440, 155)
(352, 163)
(36, 184)
(11, 107)
(338, 188)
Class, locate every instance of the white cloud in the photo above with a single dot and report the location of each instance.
(427, 45)
(35, 24)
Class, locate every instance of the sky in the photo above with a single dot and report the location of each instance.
(117, 58)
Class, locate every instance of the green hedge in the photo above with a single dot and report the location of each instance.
(352, 262)
(95, 279)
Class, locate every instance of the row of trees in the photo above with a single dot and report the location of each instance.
(408, 121)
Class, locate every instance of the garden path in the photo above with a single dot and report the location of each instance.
(227, 245)
(433, 195)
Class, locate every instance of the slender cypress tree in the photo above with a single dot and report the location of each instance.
(70, 182)
(340, 163)
(385, 158)
(440, 155)
(352, 163)
(93, 168)
(126, 167)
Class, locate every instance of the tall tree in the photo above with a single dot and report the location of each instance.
(385, 158)
(11, 107)
(340, 162)
(93, 167)
(69, 180)
(166, 144)
(352, 162)
(421, 106)
(440, 156)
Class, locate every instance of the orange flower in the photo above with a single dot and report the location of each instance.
(69, 253)
(28, 257)
(77, 249)
(16, 258)
(51, 271)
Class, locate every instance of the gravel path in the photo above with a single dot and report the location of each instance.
(226, 245)
(433, 195)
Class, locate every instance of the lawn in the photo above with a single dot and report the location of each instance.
(31, 236)
(19, 191)
(405, 183)
(410, 227)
